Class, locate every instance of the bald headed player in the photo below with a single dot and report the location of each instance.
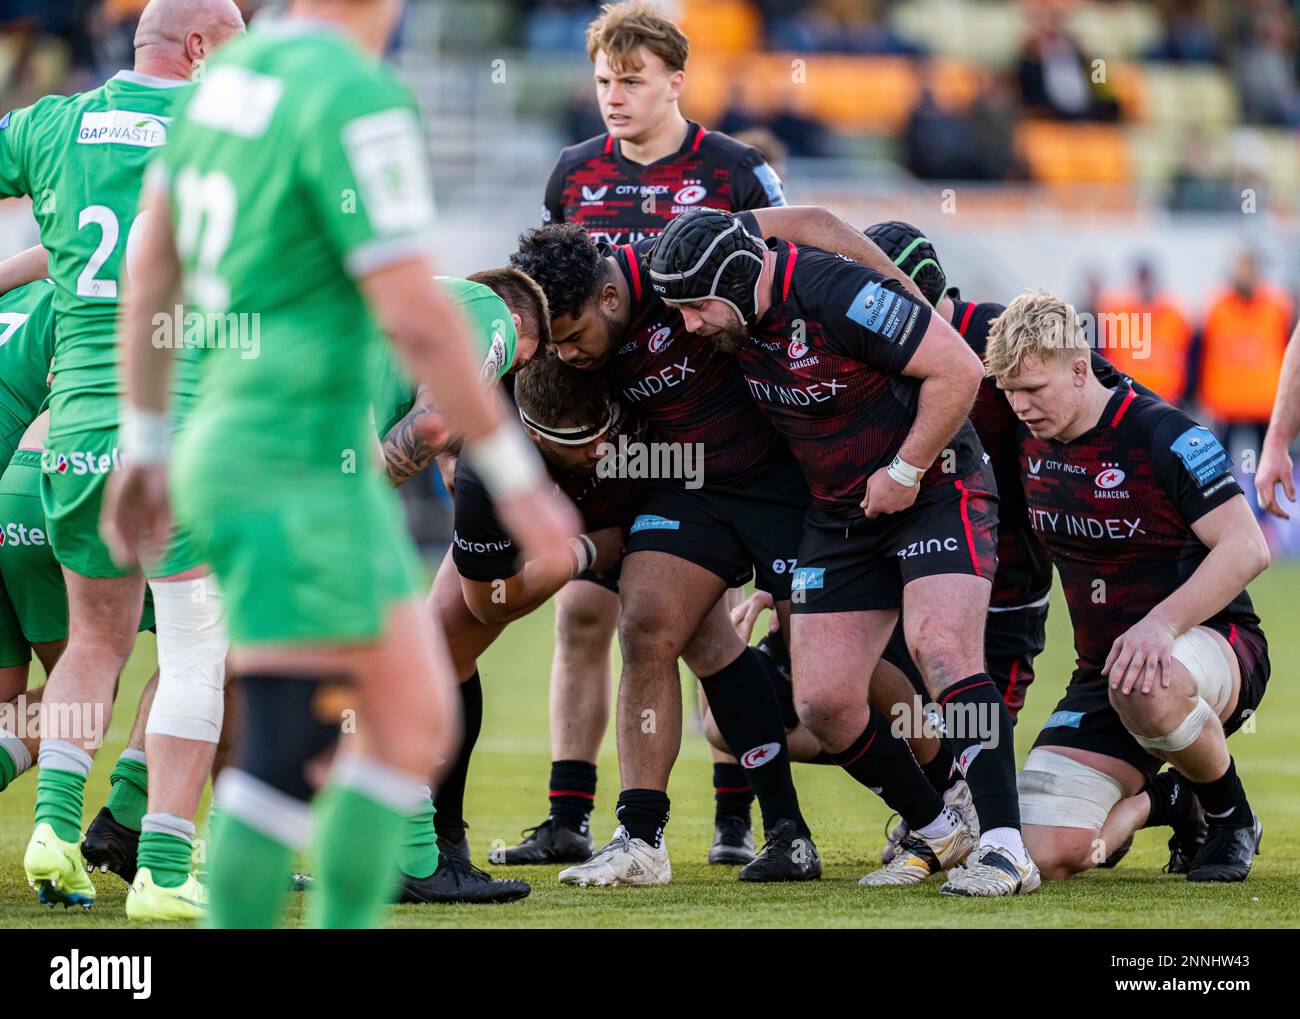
(88, 153)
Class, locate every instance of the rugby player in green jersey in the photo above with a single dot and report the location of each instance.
(295, 188)
(33, 595)
(81, 159)
(509, 323)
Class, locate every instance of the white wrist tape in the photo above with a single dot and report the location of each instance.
(506, 461)
(145, 437)
(584, 550)
(904, 473)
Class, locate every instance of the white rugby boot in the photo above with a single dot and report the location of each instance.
(918, 857)
(992, 871)
(622, 861)
(958, 800)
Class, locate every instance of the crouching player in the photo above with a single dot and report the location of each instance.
(483, 586)
(1155, 544)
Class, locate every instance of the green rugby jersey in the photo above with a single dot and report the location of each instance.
(26, 346)
(295, 167)
(82, 159)
(490, 326)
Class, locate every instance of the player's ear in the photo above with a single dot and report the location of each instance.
(1080, 368)
(609, 300)
(676, 83)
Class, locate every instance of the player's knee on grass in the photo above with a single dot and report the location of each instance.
(1064, 804)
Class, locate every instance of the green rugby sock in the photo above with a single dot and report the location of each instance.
(247, 875)
(166, 847)
(363, 813)
(61, 788)
(128, 797)
(8, 768)
(418, 854)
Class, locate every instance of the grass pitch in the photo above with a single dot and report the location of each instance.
(507, 792)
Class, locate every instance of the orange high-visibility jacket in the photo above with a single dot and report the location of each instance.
(1244, 342)
(1152, 350)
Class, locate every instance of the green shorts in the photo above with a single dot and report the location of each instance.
(33, 598)
(323, 564)
(74, 470)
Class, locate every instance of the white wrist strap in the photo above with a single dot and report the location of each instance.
(506, 461)
(584, 550)
(145, 437)
(904, 473)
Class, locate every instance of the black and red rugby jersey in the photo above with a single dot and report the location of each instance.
(824, 364)
(684, 386)
(1024, 574)
(594, 185)
(482, 547)
(1115, 507)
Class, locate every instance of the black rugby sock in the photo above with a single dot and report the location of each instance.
(973, 713)
(643, 813)
(572, 792)
(449, 819)
(1171, 798)
(746, 714)
(1224, 800)
(883, 762)
(939, 770)
(732, 793)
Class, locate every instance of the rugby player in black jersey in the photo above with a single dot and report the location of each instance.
(622, 186)
(1155, 544)
(743, 520)
(871, 392)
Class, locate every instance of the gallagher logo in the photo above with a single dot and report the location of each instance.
(659, 339)
(759, 756)
(1110, 477)
(797, 349)
(690, 195)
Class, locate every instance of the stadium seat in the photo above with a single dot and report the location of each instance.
(721, 26)
(1075, 153)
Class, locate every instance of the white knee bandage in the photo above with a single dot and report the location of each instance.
(1186, 733)
(1204, 658)
(192, 645)
(1058, 792)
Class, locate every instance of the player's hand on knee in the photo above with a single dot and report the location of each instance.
(1275, 468)
(885, 495)
(1140, 656)
(745, 615)
(136, 520)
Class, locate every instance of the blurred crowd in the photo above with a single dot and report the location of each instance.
(1052, 77)
(1220, 361)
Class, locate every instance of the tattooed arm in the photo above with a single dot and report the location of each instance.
(415, 440)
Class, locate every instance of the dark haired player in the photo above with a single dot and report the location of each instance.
(622, 186)
(869, 388)
(1155, 545)
(745, 519)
